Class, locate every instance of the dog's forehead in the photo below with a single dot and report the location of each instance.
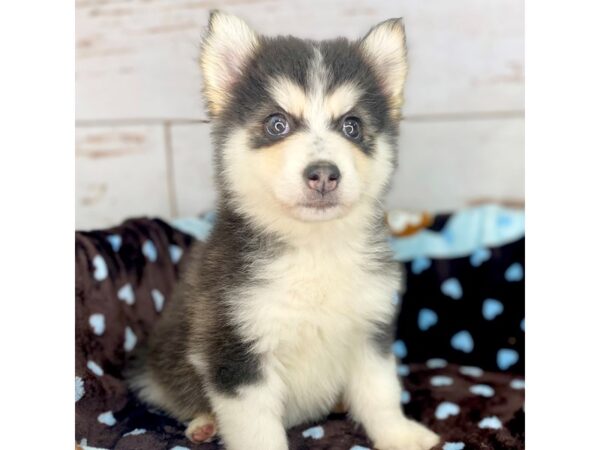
(314, 103)
(291, 73)
(308, 78)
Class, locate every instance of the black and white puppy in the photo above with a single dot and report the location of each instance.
(288, 308)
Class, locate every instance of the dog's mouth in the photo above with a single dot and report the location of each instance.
(318, 210)
(319, 204)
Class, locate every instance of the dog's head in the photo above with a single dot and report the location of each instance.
(304, 131)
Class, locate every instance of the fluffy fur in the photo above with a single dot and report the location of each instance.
(288, 308)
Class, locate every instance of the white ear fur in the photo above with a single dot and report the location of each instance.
(226, 48)
(385, 48)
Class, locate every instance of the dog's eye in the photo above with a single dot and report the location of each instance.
(277, 125)
(351, 127)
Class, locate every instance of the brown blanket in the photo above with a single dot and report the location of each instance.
(124, 277)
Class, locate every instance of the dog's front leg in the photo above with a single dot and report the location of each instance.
(373, 395)
(252, 417)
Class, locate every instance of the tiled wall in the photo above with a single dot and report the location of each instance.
(142, 143)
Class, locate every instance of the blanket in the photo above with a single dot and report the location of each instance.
(461, 341)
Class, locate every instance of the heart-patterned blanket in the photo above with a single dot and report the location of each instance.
(460, 335)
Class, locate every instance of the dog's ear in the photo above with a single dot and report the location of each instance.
(227, 46)
(385, 49)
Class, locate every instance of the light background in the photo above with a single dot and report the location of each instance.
(142, 137)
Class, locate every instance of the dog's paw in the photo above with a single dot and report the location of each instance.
(202, 429)
(408, 435)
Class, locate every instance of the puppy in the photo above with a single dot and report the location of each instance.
(288, 307)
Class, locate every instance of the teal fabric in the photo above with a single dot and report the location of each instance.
(199, 227)
(466, 231)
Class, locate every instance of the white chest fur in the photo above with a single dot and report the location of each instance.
(315, 305)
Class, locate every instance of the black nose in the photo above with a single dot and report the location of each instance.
(322, 176)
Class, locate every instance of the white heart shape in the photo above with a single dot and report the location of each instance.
(100, 268)
(97, 323)
(446, 409)
(126, 294)
(158, 299)
(130, 339)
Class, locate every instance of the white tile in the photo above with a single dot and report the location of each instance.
(192, 169)
(121, 172)
(138, 59)
(447, 164)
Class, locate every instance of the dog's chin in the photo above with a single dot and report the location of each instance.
(318, 211)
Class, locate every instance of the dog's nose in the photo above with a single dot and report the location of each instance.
(322, 176)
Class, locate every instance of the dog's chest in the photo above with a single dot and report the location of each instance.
(309, 315)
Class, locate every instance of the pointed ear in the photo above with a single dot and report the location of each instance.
(385, 49)
(227, 46)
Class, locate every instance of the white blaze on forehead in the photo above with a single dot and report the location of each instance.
(325, 106)
(318, 78)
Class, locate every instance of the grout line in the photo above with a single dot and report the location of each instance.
(137, 121)
(170, 170)
(464, 116)
(410, 118)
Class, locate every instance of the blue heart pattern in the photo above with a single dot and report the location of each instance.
(427, 318)
(471, 371)
(420, 264)
(115, 242)
(491, 308)
(314, 432)
(517, 384)
(506, 357)
(482, 389)
(462, 341)
(126, 294)
(441, 380)
(97, 323)
(492, 423)
(135, 432)
(158, 299)
(453, 446)
(446, 409)
(175, 252)
(452, 288)
(405, 397)
(399, 349)
(100, 268)
(130, 339)
(149, 250)
(79, 388)
(514, 272)
(402, 370)
(436, 363)
(480, 256)
(107, 418)
(95, 368)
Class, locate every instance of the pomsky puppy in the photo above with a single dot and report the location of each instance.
(287, 309)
